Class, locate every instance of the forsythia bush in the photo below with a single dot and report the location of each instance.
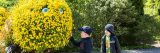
(3, 16)
(40, 24)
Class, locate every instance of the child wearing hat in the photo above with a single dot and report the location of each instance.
(85, 43)
(109, 42)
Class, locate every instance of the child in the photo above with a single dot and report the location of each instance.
(85, 43)
(110, 43)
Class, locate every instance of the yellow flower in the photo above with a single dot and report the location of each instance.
(42, 23)
(3, 16)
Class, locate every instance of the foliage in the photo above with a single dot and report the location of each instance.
(152, 8)
(98, 13)
(8, 4)
(132, 26)
(37, 30)
(3, 16)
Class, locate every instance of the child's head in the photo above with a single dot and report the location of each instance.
(109, 29)
(107, 33)
(85, 31)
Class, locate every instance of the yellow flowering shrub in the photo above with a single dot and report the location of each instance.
(39, 24)
(3, 16)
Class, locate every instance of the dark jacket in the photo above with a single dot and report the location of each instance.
(114, 44)
(85, 44)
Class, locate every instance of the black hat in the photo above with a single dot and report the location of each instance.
(110, 28)
(86, 29)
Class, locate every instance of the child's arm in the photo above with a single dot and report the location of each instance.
(103, 46)
(75, 42)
